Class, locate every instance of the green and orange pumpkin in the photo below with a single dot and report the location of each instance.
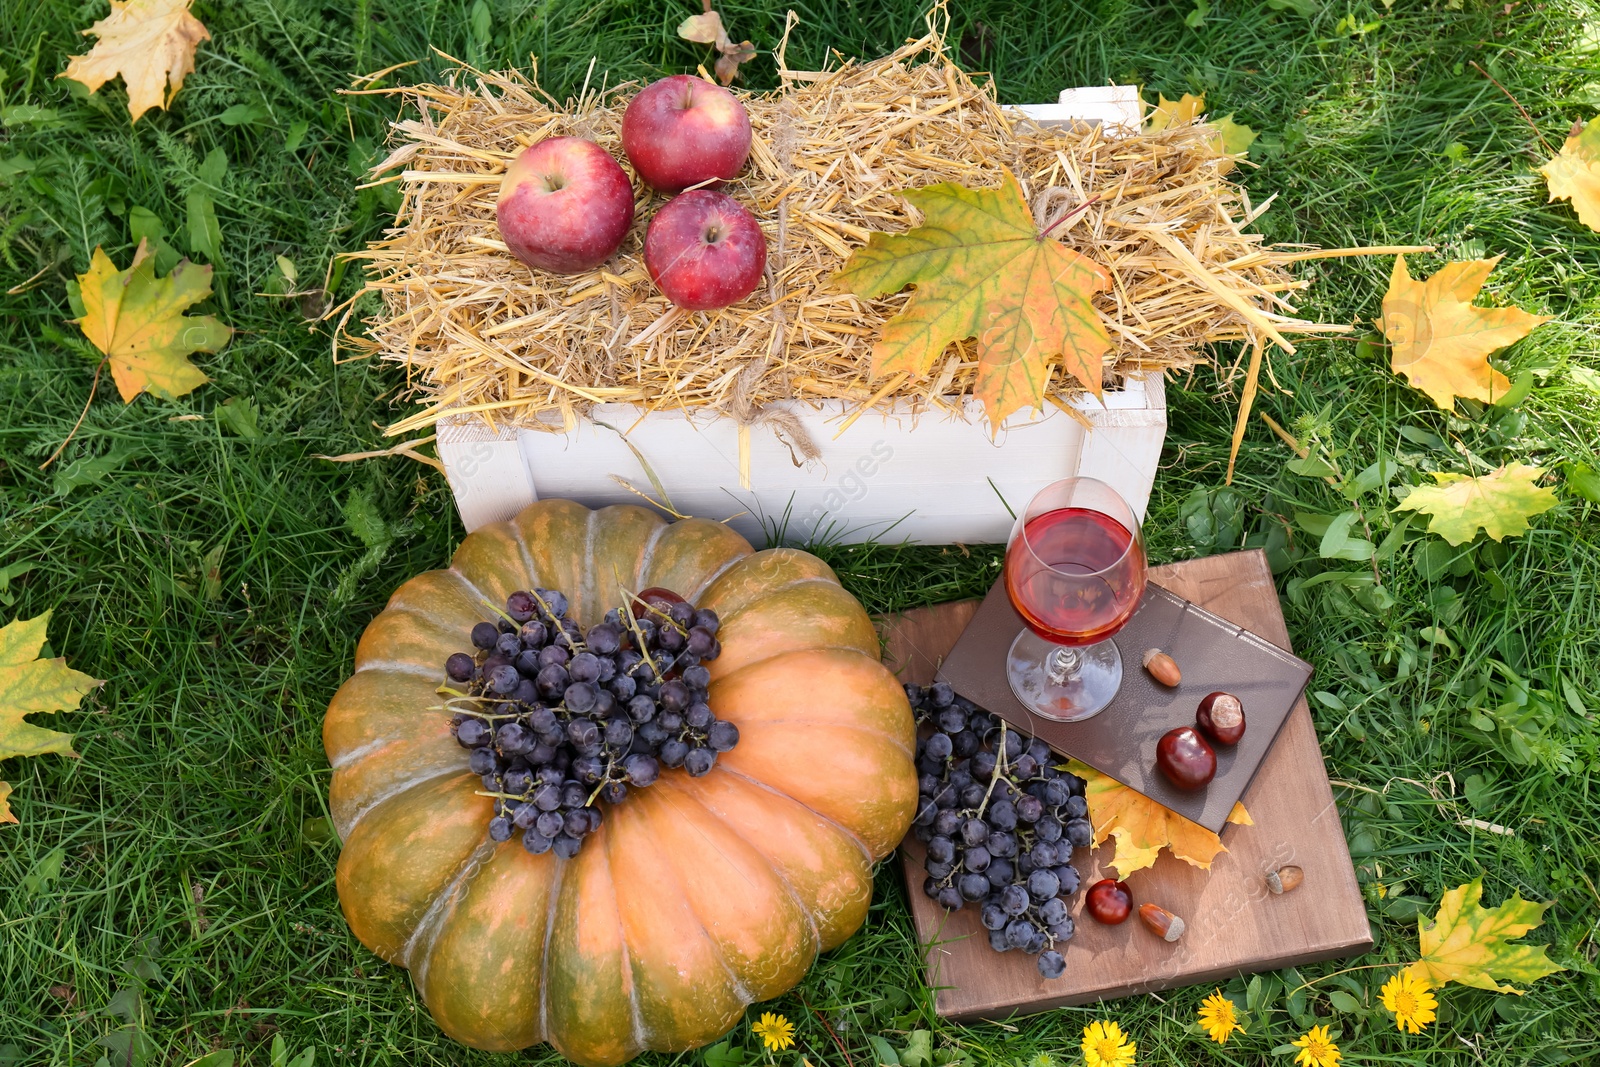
(697, 896)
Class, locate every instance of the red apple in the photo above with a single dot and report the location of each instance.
(704, 250)
(565, 205)
(681, 131)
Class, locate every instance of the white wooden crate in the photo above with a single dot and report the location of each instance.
(937, 478)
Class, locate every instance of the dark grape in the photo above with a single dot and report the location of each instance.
(673, 753)
(674, 695)
(482, 761)
(472, 733)
(1053, 911)
(641, 709)
(1076, 807)
(699, 762)
(973, 886)
(535, 842)
(641, 770)
(504, 679)
(583, 732)
(697, 678)
(1043, 884)
(566, 846)
(940, 871)
(1080, 832)
(459, 667)
(699, 716)
(508, 645)
(722, 736)
(580, 697)
(993, 917)
(1003, 815)
(605, 639)
(618, 734)
(1051, 964)
(500, 828)
(941, 848)
(1019, 932)
(976, 859)
(484, 635)
(950, 898)
(1014, 900)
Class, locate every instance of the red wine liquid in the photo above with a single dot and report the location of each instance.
(1075, 575)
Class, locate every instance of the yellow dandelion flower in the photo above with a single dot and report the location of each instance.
(1105, 1045)
(1412, 1001)
(1218, 1018)
(776, 1032)
(1316, 1048)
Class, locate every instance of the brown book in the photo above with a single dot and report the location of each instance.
(1212, 654)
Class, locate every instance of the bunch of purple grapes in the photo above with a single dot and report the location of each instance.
(557, 720)
(1000, 822)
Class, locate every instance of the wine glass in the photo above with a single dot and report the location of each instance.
(1075, 570)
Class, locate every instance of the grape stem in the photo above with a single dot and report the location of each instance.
(633, 625)
(1000, 768)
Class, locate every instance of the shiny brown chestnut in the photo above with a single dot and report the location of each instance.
(1109, 901)
(1186, 758)
(1220, 717)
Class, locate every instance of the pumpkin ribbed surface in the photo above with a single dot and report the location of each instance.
(697, 896)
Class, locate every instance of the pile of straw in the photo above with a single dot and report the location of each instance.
(481, 334)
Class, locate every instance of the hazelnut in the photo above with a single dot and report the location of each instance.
(1161, 922)
(1162, 667)
(1285, 879)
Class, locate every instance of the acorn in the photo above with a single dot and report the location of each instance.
(1285, 879)
(1161, 922)
(1162, 667)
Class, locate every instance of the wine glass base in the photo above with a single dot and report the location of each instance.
(1082, 695)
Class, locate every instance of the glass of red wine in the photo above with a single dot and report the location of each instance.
(1075, 570)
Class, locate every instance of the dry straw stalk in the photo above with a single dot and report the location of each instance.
(481, 334)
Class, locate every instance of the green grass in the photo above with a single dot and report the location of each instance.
(219, 581)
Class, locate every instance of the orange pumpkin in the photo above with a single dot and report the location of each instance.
(697, 896)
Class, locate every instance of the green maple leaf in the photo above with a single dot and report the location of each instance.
(29, 686)
(983, 270)
(1466, 942)
(1500, 502)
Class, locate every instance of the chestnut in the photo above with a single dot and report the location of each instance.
(1186, 758)
(1109, 901)
(1220, 717)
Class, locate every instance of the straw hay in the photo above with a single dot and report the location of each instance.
(480, 333)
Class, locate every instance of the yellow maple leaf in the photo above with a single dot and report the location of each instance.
(1142, 827)
(33, 686)
(149, 42)
(1574, 173)
(1440, 342)
(1230, 139)
(1466, 942)
(1501, 502)
(137, 320)
(1187, 108)
(983, 270)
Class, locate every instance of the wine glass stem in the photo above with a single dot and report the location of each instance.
(1062, 665)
